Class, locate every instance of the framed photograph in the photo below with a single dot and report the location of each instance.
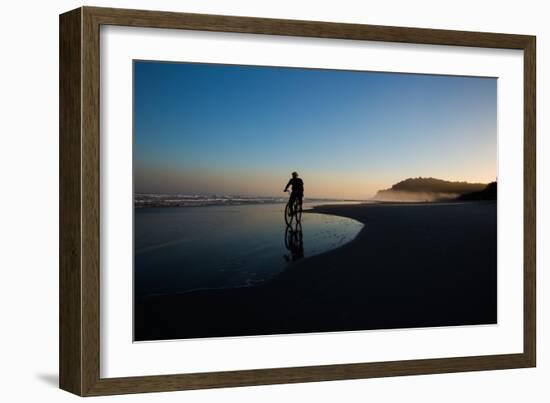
(248, 201)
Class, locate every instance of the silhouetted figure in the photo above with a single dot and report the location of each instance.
(297, 185)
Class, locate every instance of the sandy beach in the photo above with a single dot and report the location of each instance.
(412, 265)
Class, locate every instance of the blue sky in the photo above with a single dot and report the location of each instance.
(207, 128)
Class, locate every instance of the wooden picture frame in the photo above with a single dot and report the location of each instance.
(79, 279)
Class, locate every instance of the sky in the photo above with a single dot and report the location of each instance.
(241, 130)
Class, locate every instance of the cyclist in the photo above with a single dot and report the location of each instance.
(297, 189)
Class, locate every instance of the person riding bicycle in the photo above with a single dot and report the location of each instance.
(297, 189)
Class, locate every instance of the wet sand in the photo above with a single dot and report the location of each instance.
(412, 265)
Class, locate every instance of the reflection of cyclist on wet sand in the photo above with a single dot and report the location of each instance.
(294, 243)
(297, 190)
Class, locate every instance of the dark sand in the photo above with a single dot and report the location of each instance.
(412, 265)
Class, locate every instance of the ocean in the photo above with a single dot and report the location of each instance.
(179, 249)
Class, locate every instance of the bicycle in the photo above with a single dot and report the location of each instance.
(293, 211)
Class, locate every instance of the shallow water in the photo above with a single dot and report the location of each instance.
(179, 249)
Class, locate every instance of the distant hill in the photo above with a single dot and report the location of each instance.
(427, 189)
(488, 193)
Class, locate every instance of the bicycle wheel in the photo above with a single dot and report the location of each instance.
(298, 210)
(289, 217)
